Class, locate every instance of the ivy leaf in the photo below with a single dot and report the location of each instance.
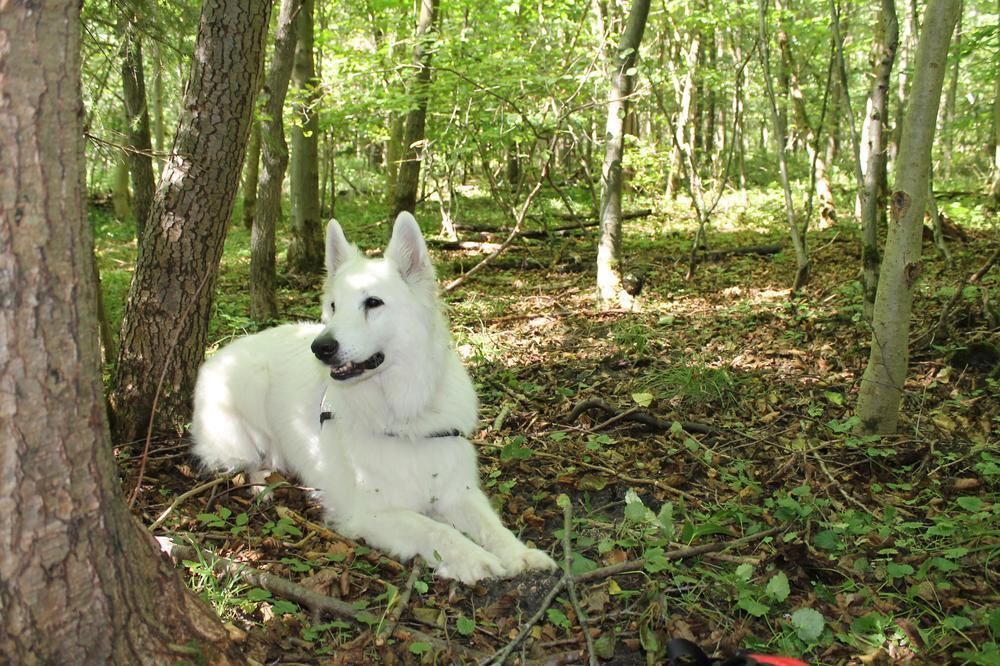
(808, 624)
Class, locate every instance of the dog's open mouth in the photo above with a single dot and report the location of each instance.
(352, 369)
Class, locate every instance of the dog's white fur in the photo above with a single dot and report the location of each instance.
(382, 477)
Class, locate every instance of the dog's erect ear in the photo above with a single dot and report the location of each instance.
(338, 250)
(408, 250)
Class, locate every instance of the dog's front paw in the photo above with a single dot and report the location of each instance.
(471, 567)
(526, 559)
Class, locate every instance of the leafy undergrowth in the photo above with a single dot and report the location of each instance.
(857, 550)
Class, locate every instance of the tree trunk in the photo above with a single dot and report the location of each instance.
(138, 142)
(408, 177)
(121, 200)
(828, 212)
(80, 580)
(797, 236)
(251, 175)
(950, 102)
(305, 250)
(995, 187)
(907, 44)
(874, 151)
(609, 278)
(165, 322)
(683, 118)
(882, 384)
(273, 164)
(393, 153)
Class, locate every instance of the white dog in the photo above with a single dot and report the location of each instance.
(372, 408)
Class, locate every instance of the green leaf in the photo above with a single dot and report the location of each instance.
(420, 586)
(418, 648)
(752, 606)
(557, 617)
(971, 504)
(604, 647)
(808, 624)
(258, 594)
(898, 570)
(562, 501)
(654, 561)
(744, 571)
(465, 626)
(515, 450)
(777, 587)
(643, 399)
(282, 606)
(827, 540)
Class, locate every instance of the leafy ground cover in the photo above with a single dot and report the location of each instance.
(717, 419)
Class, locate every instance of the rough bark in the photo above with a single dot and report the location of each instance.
(408, 176)
(873, 151)
(138, 143)
(609, 279)
(273, 163)
(251, 175)
(80, 580)
(305, 249)
(165, 322)
(882, 384)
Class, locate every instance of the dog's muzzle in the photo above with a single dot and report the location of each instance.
(325, 348)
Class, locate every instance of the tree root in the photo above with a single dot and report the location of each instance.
(645, 418)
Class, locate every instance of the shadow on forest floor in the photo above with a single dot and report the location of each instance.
(883, 550)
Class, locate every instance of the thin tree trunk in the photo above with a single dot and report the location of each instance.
(821, 187)
(121, 200)
(882, 384)
(273, 163)
(686, 97)
(797, 235)
(80, 580)
(169, 304)
(995, 187)
(139, 146)
(393, 153)
(251, 175)
(873, 150)
(305, 249)
(609, 274)
(408, 177)
(950, 102)
(907, 44)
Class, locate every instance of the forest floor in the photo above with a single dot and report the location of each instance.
(820, 544)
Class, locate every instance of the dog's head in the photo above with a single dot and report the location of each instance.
(376, 309)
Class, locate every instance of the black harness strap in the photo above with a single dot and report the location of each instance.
(454, 432)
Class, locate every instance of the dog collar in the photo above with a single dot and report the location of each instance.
(327, 415)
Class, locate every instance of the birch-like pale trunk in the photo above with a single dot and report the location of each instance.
(873, 151)
(882, 384)
(609, 279)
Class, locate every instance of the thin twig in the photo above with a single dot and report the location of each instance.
(632, 566)
(571, 583)
(184, 496)
(392, 620)
(315, 601)
(498, 658)
(159, 389)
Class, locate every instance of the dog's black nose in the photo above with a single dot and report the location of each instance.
(325, 348)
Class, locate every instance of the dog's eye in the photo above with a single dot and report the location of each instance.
(372, 302)
(333, 306)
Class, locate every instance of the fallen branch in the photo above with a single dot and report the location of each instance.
(753, 249)
(330, 535)
(645, 418)
(925, 339)
(581, 616)
(632, 566)
(184, 496)
(316, 602)
(396, 611)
